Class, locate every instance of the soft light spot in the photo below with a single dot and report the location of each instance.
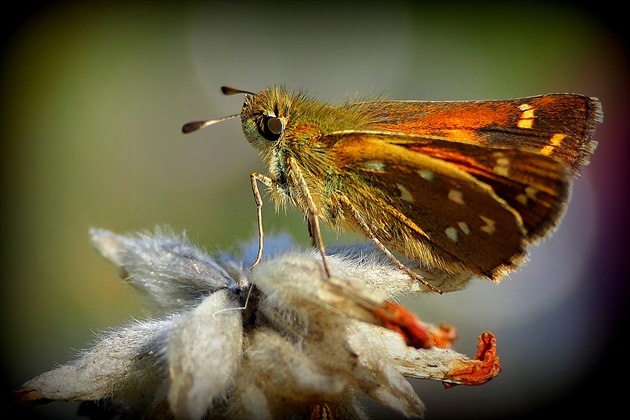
(426, 174)
(555, 141)
(502, 166)
(527, 117)
(374, 165)
(451, 233)
(456, 196)
(464, 227)
(531, 192)
(489, 226)
(404, 193)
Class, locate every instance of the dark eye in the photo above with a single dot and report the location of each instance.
(271, 127)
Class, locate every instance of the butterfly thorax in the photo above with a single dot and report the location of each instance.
(298, 150)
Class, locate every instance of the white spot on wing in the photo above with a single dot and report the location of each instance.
(490, 225)
(426, 174)
(374, 165)
(502, 166)
(531, 192)
(451, 233)
(404, 193)
(464, 227)
(555, 141)
(456, 196)
(527, 117)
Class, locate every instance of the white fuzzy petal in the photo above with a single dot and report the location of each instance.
(204, 352)
(124, 365)
(305, 345)
(378, 376)
(168, 269)
(321, 312)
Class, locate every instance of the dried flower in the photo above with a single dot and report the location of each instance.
(280, 341)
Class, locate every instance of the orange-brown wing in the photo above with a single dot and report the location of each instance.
(448, 204)
(559, 125)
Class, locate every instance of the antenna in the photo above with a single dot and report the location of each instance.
(231, 91)
(198, 125)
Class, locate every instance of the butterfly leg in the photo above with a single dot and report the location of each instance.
(312, 213)
(255, 178)
(370, 234)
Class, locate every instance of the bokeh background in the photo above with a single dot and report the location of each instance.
(93, 98)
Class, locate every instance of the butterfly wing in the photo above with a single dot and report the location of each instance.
(457, 207)
(558, 125)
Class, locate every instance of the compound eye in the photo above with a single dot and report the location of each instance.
(271, 127)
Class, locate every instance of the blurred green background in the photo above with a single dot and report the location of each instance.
(93, 98)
